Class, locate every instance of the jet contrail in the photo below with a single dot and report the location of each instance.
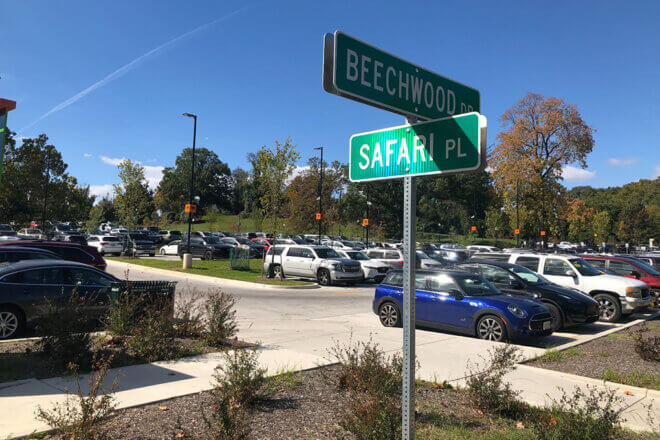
(128, 67)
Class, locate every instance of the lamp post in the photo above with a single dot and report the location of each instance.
(320, 193)
(187, 257)
(517, 222)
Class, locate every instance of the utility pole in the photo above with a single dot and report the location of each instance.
(187, 261)
(320, 193)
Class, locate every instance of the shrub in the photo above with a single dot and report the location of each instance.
(220, 319)
(64, 326)
(372, 381)
(152, 337)
(227, 421)
(121, 317)
(79, 418)
(591, 415)
(187, 318)
(648, 348)
(241, 378)
(486, 387)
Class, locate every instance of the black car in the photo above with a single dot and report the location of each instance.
(568, 307)
(207, 248)
(24, 285)
(13, 254)
(136, 243)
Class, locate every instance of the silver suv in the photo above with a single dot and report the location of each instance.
(394, 259)
(319, 262)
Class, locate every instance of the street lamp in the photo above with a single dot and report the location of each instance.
(320, 192)
(187, 257)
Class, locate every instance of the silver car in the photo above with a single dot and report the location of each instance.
(394, 259)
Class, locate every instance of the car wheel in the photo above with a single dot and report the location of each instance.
(609, 308)
(277, 271)
(389, 315)
(208, 255)
(12, 323)
(152, 255)
(162, 252)
(557, 319)
(491, 328)
(324, 277)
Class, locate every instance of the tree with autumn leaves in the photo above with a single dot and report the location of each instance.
(540, 137)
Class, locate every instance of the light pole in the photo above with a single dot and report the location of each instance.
(517, 223)
(187, 257)
(46, 185)
(320, 192)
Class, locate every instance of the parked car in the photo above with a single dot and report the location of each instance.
(483, 248)
(136, 243)
(7, 233)
(616, 296)
(25, 285)
(168, 236)
(172, 248)
(71, 238)
(629, 267)
(394, 258)
(66, 251)
(119, 231)
(372, 270)
(462, 302)
(207, 248)
(12, 254)
(256, 250)
(106, 244)
(317, 262)
(651, 259)
(568, 307)
(30, 234)
(265, 242)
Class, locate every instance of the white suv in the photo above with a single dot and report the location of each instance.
(319, 262)
(373, 270)
(106, 244)
(615, 295)
(394, 259)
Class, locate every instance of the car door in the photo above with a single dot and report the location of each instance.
(531, 263)
(504, 280)
(307, 262)
(435, 303)
(34, 287)
(91, 285)
(292, 261)
(555, 270)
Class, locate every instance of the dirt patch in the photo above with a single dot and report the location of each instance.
(612, 358)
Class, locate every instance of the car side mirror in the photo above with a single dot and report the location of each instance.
(516, 284)
(456, 294)
(571, 273)
(635, 274)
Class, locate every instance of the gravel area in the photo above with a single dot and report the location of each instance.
(612, 357)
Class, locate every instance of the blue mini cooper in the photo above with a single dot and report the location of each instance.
(464, 303)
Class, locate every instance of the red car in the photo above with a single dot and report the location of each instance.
(68, 251)
(629, 267)
(266, 243)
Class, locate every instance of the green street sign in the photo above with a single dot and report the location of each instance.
(356, 70)
(443, 146)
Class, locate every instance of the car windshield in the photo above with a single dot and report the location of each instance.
(584, 268)
(63, 228)
(211, 239)
(650, 269)
(5, 228)
(359, 256)
(326, 253)
(138, 236)
(529, 276)
(473, 285)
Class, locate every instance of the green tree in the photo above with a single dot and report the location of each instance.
(213, 183)
(102, 212)
(498, 223)
(133, 198)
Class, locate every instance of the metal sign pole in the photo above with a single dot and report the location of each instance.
(409, 249)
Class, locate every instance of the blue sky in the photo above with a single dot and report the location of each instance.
(112, 78)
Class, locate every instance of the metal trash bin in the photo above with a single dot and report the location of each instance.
(149, 292)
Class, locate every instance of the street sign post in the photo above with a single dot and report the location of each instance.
(356, 70)
(443, 146)
(453, 140)
(191, 208)
(318, 216)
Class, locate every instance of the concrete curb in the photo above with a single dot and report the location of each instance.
(204, 278)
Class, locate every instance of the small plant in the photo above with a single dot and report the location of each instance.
(241, 377)
(556, 356)
(188, 319)
(372, 381)
(487, 388)
(591, 415)
(153, 335)
(648, 348)
(635, 378)
(285, 377)
(227, 421)
(64, 326)
(79, 417)
(121, 317)
(220, 319)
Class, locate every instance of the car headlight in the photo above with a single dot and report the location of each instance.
(520, 313)
(633, 292)
(335, 266)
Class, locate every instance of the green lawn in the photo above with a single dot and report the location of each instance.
(213, 268)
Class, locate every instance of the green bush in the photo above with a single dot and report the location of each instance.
(121, 317)
(153, 334)
(486, 386)
(80, 417)
(187, 318)
(227, 421)
(241, 378)
(220, 319)
(648, 348)
(591, 415)
(64, 326)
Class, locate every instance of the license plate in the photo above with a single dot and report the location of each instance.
(547, 325)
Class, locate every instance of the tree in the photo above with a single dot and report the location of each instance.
(133, 198)
(35, 184)
(580, 221)
(102, 212)
(498, 223)
(271, 168)
(213, 183)
(541, 136)
(638, 223)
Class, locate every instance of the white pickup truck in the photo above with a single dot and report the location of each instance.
(615, 295)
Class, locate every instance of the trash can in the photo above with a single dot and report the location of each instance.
(149, 292)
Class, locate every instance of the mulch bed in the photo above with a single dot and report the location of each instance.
(614, 352)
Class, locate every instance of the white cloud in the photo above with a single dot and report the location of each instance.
(87, 155)
(152, 174)
(297, 171)
(101, 191)
(112, 161)
(656, 172)
(574, 174)
(623, 162)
